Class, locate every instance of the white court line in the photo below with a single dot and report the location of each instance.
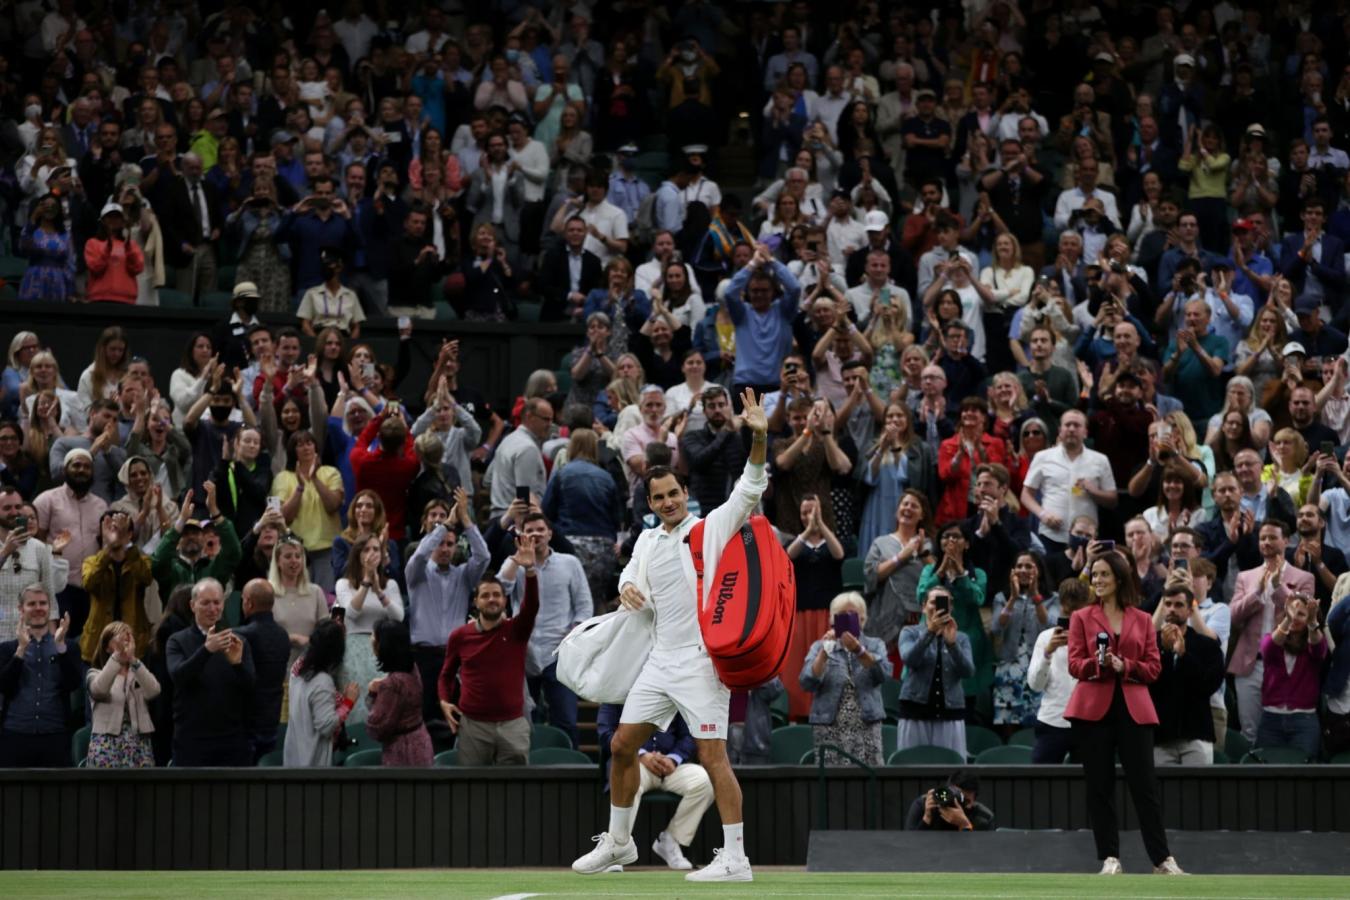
(516, 896)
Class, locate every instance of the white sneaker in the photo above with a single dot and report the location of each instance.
(724, 867)
(1110, 866)
(606, 854)
(668, 849)
(1168, 867)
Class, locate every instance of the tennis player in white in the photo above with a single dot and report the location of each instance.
(679, 676)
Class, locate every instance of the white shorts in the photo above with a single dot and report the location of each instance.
(682, 681)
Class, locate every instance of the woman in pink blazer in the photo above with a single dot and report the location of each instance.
(1113, 652)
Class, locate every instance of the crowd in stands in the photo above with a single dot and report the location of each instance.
(1026, 286)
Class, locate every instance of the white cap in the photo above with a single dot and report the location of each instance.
(112, 206)
(876, 220)
(1183, 59)
(1293, 347)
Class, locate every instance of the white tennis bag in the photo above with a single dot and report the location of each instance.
(601, 658)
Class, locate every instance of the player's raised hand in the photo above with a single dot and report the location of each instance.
(752, 413)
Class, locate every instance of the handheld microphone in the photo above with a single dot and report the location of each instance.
(1103, 641)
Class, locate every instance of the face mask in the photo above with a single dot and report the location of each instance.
(626, 163)
(250, 305)
(220, 412)
(512, 55)
(688, 55)
(32, 112)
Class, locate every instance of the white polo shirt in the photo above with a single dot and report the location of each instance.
(1054, 474)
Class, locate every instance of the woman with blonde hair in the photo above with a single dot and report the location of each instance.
(1007, 277)
(889, 337)
(1288, 454)
(1259, 357)
(299, 604)
(622, 395)
(1008, 405)
(787, 214)
(844, 670)
(100, 379)
(1189, 447)
(43, 428)
(120, 687)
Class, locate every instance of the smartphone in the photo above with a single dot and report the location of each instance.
(1062, 622)
(404, 322)
(368, 370)
(942, 604)
(1181, 563)
(1106, 545)
(338, 614)
(274, 503)
(813, 246)
(1328, 448)
(847, 622)
(523, 494)
(20, 523)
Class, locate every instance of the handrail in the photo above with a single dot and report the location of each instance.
(822, 794)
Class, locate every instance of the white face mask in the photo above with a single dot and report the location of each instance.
(830, 645)
(32, 112)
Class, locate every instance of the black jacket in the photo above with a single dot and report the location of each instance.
(980, 816)
(178, 218)
(555, 281)
(715, 461)
(253, 487)
(12, 670)
(212, 700)
(996, 552)
(270, 647)
(1181, 693)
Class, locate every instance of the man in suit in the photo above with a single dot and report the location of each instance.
(668, 762)
(192, 224)
(1258, 603)
(568, 273)
(270, 647)
(78, 135)
(1313, 260)
(498, 203)
(213, 679)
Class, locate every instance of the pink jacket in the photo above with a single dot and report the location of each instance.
(1137, 645)
(1245, 610)
(113, 266)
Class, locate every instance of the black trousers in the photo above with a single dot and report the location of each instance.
(1097, 744)
(34, 751)
(1052, 744)
(429, 660)
(234, 751)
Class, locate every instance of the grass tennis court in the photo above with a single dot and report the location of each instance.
(480, 884)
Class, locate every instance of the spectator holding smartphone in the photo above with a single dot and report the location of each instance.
(938, 656)
(1048, 673)
(1113, 652)
(844, 671)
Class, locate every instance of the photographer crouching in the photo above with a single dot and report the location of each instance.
(951, 807)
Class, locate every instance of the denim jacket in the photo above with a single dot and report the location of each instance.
(918, 650)
(841, 666)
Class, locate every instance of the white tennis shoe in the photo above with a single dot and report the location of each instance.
(606, 854)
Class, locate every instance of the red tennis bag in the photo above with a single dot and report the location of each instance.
(747, 622)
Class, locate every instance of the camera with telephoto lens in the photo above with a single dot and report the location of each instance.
(949, 796)
(1188, 284)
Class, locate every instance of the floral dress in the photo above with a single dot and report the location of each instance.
(886, 374)
(50, 275)
(261, 260)
(128, 750)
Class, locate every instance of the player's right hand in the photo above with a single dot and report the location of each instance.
(631, 598)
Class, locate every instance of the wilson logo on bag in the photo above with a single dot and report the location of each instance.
(747, 622)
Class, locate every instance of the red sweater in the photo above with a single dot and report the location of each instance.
(385, 473)
(490, 664)
(113, 267)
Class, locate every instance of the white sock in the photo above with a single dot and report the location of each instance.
(620, 823)
(733, 840)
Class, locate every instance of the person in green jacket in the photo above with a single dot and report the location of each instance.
(179, 557)
(967, 585)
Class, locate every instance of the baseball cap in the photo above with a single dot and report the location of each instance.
(1256, 129)
(112, 206)
(282, 136)
(1104, 57)
(1243, 225)
(1306, 305)
(1292, 348)
(1183, 59)
(924, 94)
(629, 148)
(694, 149)
(876, 220)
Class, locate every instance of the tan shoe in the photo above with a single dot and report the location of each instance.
(1168, 867)
(1111, 866)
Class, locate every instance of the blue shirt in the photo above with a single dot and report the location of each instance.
(762, 339)
(40, 703)
(594, 507)
(308, 234)
(438, 598)
(669, 211)
(1259, 263)
(627, 194)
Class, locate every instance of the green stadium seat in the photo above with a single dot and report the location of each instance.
(1275, 756)
(226, 277)
(559, 756)
(564, 378)
(925, 756)
(234, 609)
(979, 739)
(787, 744)
(448, 758)
(1235, 745)
(778, 709)
(1221, 758)
(445, 312)
(12, 268)
(890, 698)
(174, 299)
(79, 746)
(528, 312)
(217, 300)
(1023, 737)
(542, 736)
(357, 732)
(809, 758)
(1341, 759)
(363, 759)
(9, 290)
(1010, 755)
(272, 759)
(853, 574)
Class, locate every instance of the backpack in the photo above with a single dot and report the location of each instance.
(747, 625)
(644, 223)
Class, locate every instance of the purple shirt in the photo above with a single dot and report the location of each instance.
(1298, 689)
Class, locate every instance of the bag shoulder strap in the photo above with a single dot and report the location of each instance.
(695, 541)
